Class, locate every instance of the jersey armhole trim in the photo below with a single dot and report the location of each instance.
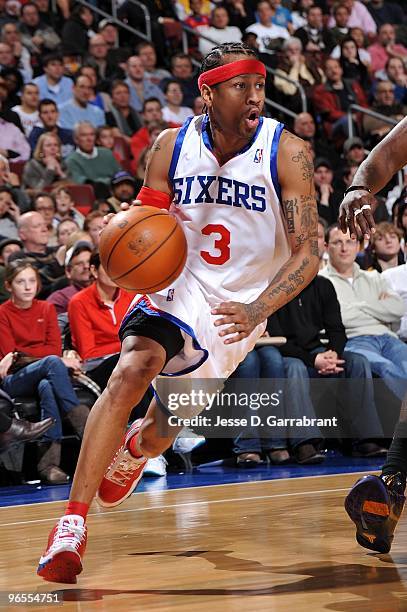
(273, 158)
(177, 148)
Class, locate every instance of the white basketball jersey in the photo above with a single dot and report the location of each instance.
(231, 214)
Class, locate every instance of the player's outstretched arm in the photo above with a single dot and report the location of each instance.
(387, 158)
(296, 177)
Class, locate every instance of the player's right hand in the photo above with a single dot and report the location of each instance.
(123, 206)
(362, 223)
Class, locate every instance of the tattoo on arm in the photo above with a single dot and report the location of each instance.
(156, 147)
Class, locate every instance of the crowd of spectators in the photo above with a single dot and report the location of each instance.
(81, 103)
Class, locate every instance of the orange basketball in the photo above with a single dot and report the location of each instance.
(143, 249)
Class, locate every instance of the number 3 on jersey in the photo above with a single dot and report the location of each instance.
(222, 244)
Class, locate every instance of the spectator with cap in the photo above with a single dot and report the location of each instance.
(49, 116)
(53, 85)
(354, 151)
(78, 108)
(122, 187)
(8, 246)
(108, 29)
(122, 117)
(77, 272)
(95, 315)
(91, 164)
(140, 87)
(328, 199)
(385, 47)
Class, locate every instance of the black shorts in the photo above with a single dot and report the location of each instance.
(157, 328)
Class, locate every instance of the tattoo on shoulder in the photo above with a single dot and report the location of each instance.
(307, 166)
(156, 146)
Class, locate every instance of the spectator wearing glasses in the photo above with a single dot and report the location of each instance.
(369, 309)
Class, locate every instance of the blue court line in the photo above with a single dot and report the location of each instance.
(205, 475)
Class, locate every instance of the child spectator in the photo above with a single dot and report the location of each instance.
(30, 348)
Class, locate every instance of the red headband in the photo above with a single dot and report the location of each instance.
(228, 71)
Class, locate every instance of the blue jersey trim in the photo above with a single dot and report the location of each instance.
(143, 305)
(208, 143)
(177, 148)
(273, 158)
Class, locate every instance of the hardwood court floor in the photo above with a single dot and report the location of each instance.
(282, 545)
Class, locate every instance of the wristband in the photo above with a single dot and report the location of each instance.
(153, 197)
(357, 188)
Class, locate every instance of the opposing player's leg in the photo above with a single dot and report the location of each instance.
(375, 503)
(140, 361)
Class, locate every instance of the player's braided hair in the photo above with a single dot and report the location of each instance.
(214, 57)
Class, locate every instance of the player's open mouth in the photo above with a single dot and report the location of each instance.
(252, 119)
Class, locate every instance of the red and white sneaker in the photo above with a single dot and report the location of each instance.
(62, 561)
(123, 474)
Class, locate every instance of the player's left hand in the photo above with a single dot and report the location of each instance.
(239, 318)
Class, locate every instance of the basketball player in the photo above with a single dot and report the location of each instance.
(375, 503)
(242, 188)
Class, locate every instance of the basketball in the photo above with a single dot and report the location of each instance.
(143, 249)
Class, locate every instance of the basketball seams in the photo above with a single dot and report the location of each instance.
(150, 254)
(174, 274)
(112, 248)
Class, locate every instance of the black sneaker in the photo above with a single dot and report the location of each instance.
(375, 505)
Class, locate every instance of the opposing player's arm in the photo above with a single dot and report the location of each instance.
(387, 158)
(296, 177)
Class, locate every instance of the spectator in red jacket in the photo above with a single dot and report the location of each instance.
(31, 363)
(333, 98)
(95, 314)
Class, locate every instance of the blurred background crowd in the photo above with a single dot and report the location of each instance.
(84, 92)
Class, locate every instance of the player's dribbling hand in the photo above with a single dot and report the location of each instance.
(238, 316)
(362, 223)
(123, 206)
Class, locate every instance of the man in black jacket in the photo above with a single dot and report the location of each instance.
(306, 356)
